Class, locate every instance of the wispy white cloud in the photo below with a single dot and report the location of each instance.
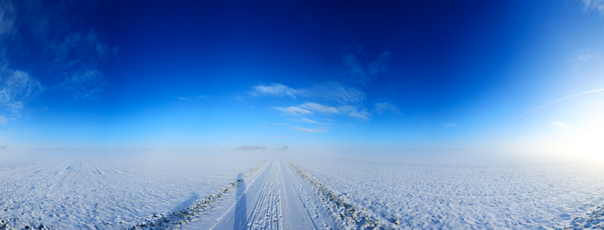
(561, 99)
(594, 4)
(75, 55)
(292, 110)
(17, 88)
(385, 107)
(79, 57)
(380, 65)
(307, 130)
(560, 125)
(352, 111)
(449, 125)
(274, 89)
(319, 108)
(361, 114)
(334, 92)
(582, 56)
(585, 57)
(311, 121)
(183, 98)
(335, 98)
(360, 72)
(7, 18)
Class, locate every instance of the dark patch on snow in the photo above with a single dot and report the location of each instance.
(9, 225)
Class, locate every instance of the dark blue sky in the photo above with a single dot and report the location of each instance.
(392, 74)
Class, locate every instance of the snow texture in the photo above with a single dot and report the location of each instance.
(92, 191)
(593, 220)
(258, 190)
(431, 196)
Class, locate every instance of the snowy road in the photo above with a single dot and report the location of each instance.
(276, 199)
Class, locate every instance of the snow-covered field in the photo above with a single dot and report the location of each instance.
(110, 190)
(264, 190)
(490, 196)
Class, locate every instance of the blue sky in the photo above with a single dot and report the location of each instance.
(218, 75)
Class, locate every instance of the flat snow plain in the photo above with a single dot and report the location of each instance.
(63, 190)
(263, 190)
(477, 196)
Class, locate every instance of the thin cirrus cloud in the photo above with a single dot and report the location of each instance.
(84, 79)
(319, 108)
(73, 52)
(354, 70)
(333, 92)
(560, 125)
(311, 121)
(307, 130)
(274, 89)
(559, 100)
(355, 112)
(594, 4)
(16, 89)
(585, 57)
(385, 107)
(362, 114)
(347, 100)
(335, 98)
(292, 110)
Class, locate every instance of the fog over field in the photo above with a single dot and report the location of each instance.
(301, 114)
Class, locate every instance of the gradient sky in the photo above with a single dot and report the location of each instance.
(468, 75)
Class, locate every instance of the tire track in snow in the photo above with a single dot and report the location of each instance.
(310, 216)
(275, 203)
(183, 216)
(254, 195)
(341, 207)
(257, 204)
